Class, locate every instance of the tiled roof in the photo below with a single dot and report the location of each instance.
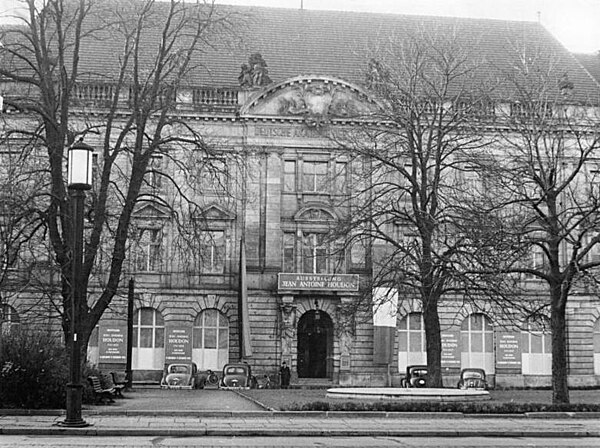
(591, 62)
(300, 42)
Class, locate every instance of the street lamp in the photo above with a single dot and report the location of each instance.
(79, 179)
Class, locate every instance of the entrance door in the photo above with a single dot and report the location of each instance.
(315, 345)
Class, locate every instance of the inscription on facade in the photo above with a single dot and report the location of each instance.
(112, 343)
(450, 348)
(298, 132)
(288, 131)
(508, 350)
(322, 282)
(178, 346)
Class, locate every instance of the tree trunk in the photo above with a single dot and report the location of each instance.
(434, 343)
(560, 387)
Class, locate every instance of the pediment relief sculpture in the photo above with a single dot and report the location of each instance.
(317, 101)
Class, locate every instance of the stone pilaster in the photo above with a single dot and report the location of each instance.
(288, 330)
(345, 330)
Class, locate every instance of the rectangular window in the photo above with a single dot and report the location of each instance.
(314, 253)
(314, 178)
(148, 250)
(358, 253)
(289, 175)
(197, 338)
(338, 256)
(477, 342)
(289, 252)
(416, 343)
(212, 251)
(525, 342)
(155, 177)
(146, 337)
(159, 337)
(403, 341)
(340, 178)
(224, 338)
(536, 343)
(210, 338)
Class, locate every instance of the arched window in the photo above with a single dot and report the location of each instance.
(596, 338)
(477, 343)
(148, 339)
(537, 348)
(10, 319)
(411, 341)
(210, 348)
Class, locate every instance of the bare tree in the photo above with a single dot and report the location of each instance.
(50, 60)
(542, 191)
(19, 221)
(414, 150)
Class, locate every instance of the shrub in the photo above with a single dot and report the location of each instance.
(465, 408)
(34, 371)
(88, 396)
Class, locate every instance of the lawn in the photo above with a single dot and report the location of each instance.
(279, 399)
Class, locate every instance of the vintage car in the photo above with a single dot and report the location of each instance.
(471, 378)
(416, 376)
(179, 376)
(237, 376)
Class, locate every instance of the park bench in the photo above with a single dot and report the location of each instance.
(99, 392)
(107, 383)
(119, 378)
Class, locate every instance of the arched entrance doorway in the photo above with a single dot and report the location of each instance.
(315, 345)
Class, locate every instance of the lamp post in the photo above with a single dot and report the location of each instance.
(79, 180)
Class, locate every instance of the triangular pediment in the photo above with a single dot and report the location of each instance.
(215, 213)
(149, 211)
(311, 98)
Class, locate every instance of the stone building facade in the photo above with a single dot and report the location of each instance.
(301, 291)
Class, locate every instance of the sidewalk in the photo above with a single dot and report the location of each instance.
(306, 424)
(156, 412)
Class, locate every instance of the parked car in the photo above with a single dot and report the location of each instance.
(471, 378)
(416, 376)
(179, 376)
(237, 376)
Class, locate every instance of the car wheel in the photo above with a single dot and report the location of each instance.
(213, 378)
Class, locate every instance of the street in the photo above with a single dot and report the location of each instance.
(291, 442)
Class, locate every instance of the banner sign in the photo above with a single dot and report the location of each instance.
(112, 343)
(508, 350)
(321, 282)
(178, 347)
(450, 348)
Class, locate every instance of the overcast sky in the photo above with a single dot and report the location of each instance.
(575, 23)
